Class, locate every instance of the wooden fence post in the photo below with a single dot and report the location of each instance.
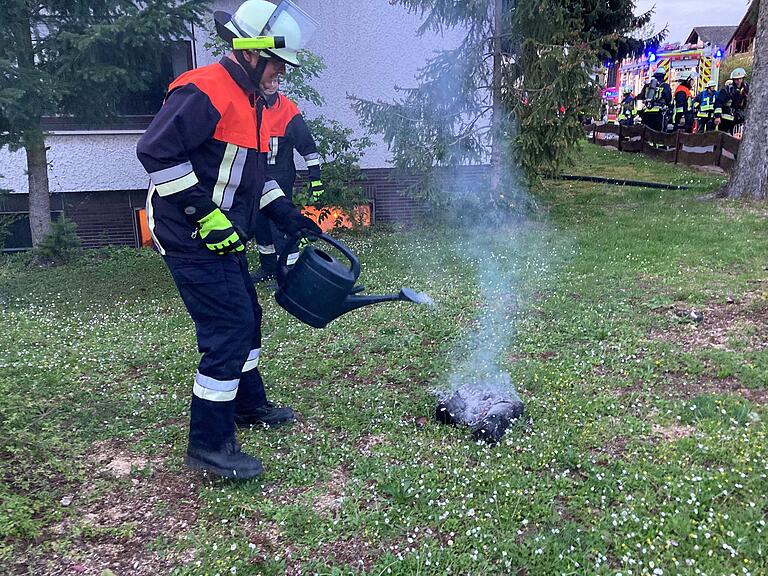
(619, 144)
(719, 149)
(677, 144)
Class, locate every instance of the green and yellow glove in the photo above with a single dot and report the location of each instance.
(219, 234)
(316, 189)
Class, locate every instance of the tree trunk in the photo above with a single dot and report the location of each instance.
(37, 176)
(749, 177)
(497, 152)
(34, 145)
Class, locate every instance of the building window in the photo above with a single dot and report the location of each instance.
(136, 109)
(176, 59)
(18, 236)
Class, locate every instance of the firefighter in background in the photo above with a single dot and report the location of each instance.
(704, 107)
(657, 96)
(205, 153)
(287, 131)
(682, 117)
(628, 108)
(731, 103)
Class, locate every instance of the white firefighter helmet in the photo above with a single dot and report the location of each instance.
(660, 70)
(738, 73)
(262, 18)
(712, 84)
(626, 89)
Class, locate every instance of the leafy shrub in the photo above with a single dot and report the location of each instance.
(61, 244)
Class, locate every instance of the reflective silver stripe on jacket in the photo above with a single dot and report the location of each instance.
(253, 360)
(274, 142)
(174, 179)
(312, 159)
(230, 175)
(215, 390)
(270, 193)
(265, 249)
(151, 218)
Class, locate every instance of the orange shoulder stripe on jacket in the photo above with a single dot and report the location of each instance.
(237, 124)
(280, 114)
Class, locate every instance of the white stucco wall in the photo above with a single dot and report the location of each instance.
(369, 47)
(81, 162)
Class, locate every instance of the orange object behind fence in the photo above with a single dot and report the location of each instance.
(335, 217)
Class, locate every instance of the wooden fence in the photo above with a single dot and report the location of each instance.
(707, 149)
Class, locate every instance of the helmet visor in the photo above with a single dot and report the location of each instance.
(293, 23)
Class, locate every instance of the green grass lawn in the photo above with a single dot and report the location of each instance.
(644, 449)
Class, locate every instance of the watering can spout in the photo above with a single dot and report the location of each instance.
(405, 294)
(354, 302)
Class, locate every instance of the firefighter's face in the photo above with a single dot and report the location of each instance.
(270, 81)
(737, 82)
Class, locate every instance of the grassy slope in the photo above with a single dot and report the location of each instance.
(645, 448)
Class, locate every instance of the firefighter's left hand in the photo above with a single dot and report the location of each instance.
(316, 190)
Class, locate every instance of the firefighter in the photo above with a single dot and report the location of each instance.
(628, 108)
(203, 153)
(704, 107)
(288, 131)
(657, 95)
(731, 103)
(682, 117)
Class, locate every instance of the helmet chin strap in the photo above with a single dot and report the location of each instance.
(256, 74)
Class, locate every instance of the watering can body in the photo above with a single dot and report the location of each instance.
(319, 288)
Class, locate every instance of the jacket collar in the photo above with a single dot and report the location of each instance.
(239, 75)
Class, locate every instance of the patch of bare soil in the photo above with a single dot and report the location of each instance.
(355, 552)
(366, 443)
(331, 496)
(126, 504)
(756, 396)
(672, 432)
(718, 325)
(612, 449)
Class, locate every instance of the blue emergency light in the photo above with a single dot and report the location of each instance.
(651, 57)
(719, 54)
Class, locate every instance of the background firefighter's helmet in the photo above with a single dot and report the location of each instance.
(262, 18)
(626, 90)
(712, 84)
(660, 71)
(738, 73)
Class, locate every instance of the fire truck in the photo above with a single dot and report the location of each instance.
(679, 60)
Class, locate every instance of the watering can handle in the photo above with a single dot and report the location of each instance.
(293, 242)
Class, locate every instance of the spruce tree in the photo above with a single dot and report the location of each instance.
(516, 86)
(76, 58)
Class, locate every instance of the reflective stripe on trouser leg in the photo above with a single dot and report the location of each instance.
(292, 257)
(253, 360)
(215, 390)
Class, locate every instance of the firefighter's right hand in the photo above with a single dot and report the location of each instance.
(304, 224)
(219, 234)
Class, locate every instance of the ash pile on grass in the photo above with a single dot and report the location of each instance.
(488, 409)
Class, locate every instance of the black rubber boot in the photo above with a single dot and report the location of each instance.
(268, 414)
(212, 444)
(228, 462)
